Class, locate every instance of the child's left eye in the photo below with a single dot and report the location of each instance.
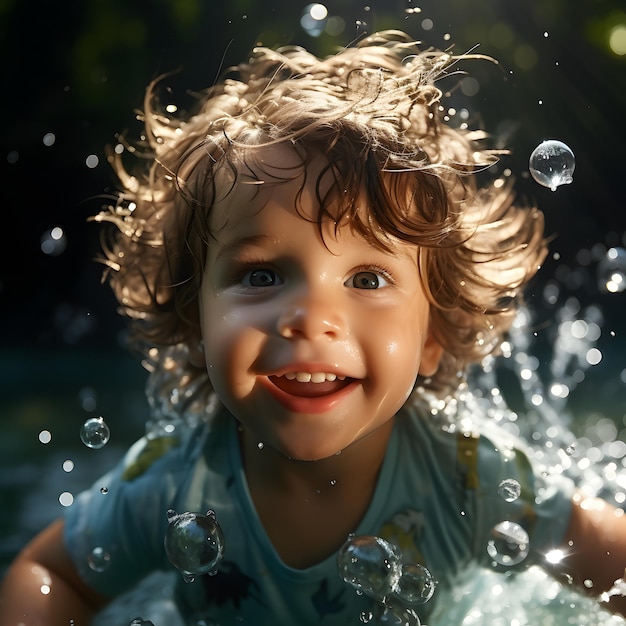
(367, 280)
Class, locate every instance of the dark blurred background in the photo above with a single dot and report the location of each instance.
(74, 75)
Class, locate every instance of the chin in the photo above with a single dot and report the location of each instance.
(308, 453)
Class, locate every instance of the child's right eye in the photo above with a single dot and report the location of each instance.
(261, 278)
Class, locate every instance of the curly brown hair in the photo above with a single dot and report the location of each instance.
(374, 112)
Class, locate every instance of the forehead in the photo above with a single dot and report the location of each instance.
(257, 177)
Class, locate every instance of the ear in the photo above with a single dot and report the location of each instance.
(431, 356)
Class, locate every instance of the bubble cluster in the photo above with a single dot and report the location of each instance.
(552, 164)
(194, 543)
(374, 567)
(95, 433)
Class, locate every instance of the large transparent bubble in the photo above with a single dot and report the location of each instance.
(552, 164)
(370, 564)
(194, 543)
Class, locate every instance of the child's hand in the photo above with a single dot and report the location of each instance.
(42, 587)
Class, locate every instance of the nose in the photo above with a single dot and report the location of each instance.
(308, 318)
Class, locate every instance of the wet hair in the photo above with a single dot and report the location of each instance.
(400, 169)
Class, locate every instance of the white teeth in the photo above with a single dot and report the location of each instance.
(315, 377)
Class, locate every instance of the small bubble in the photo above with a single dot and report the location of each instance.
(104, 490)
(94, 433)
(552, 164)
(509, 490)
(416, 584)
(139, 621)
(509, 544)
(68, 465)
(49, 139)
(99, 559)
(260, 445)
(92, 161)
(13, 156)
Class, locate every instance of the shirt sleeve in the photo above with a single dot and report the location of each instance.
(514, 492)
(115, 538)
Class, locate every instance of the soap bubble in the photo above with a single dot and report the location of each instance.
(194, 543)
(416, 584)
(509, 489)
(552, 164)
(612, 271)
(509, 544)
(94, 433)
(370, 564)
(99, 559)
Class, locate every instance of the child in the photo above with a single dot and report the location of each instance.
(308, 263)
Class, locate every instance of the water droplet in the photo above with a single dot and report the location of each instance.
(66, 498)
(45, 436)
(370, 564)
(416, 584)
(99, 559)
(53, 242)
(94, 433)
(194, 543)
(552, 164)
(509, 489)
(509, 544)
(612, 271)
(104, 490)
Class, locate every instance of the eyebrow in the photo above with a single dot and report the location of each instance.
(233, 247)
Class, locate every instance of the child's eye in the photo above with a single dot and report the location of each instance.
(261, 278)
(367, 280)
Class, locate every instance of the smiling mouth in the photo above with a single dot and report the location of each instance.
(310, 385)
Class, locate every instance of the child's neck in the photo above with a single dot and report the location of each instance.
(308, 508)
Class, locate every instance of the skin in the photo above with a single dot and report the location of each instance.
(276, 298)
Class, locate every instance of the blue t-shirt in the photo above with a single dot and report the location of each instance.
(437, 499)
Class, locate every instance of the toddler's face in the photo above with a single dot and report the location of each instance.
(310, 344)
